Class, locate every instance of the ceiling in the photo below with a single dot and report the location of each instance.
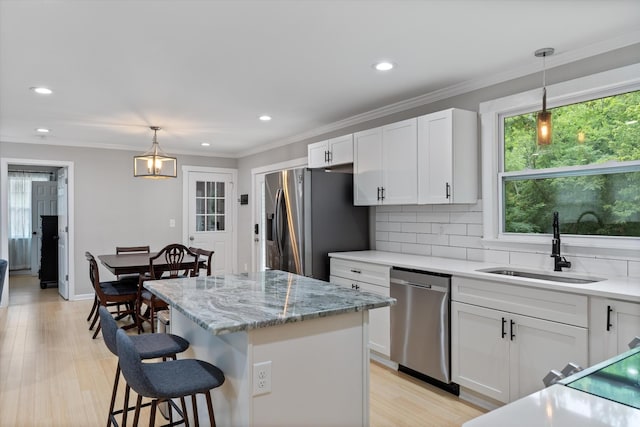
(205, 71)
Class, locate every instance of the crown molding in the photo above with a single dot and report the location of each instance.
(530, 67)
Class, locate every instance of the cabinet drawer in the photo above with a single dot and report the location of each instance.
(361, 271)
(541, 303)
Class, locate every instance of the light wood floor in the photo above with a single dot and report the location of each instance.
(53, 374)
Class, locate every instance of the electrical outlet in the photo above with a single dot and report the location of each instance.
(261, 378)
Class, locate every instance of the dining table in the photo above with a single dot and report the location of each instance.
(132, 263)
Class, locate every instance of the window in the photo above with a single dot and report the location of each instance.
(210, 210)
(587, 173)
(590, 173)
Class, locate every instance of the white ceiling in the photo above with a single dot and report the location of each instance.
(205, 70)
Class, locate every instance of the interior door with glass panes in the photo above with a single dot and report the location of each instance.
(210, 217)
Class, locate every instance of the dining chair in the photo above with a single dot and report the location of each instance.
(112, 293)
(133, 278)
(176, 260)
(208, 256)
(131, 250)
(168, 380)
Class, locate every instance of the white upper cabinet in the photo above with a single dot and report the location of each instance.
(448, 157)
(332, 152)
(367, 166)
(385, 166)
(400, 168)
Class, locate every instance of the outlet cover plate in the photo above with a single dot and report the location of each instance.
(261, 378)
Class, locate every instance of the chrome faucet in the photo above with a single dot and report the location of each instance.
(558, 260)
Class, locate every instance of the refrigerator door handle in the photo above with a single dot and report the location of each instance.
(278, 235)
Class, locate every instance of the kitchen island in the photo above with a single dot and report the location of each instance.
(293, 349)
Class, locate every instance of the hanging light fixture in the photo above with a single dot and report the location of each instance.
(155, 163)
(543, 124)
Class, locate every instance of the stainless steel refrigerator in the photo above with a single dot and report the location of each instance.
(309, 213)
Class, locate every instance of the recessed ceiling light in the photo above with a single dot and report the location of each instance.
(265, 118)
(205, 144)
(42, 90)
(384, 66)
(42, 130)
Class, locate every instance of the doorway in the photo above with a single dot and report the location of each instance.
(53, 198)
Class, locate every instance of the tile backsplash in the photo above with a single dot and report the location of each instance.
(455, 231)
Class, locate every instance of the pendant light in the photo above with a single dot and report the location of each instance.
(543, 122)
(155, 163)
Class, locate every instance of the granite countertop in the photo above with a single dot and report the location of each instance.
(241, 302)
(626, 288)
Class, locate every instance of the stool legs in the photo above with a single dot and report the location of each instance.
(125, 408)
(136, 415)
(212, 418)
(113, 396)
(195, 410)
(184, 411)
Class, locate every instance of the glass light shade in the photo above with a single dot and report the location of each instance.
(154, 166)
(544, 128)
(154, 163)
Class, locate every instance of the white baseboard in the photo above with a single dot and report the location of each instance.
(479, 400)
(383, 360)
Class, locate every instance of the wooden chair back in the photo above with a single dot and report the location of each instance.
(208, 255)
(132, 249)
(173, 256)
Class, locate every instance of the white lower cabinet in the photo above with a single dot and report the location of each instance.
(504, 355)
(369, 278)
(612, 325)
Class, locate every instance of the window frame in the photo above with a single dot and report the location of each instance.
(492, 114)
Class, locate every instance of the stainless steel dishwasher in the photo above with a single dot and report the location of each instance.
(420, 322)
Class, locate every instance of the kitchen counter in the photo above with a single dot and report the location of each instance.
(292, 348)
(610, 398)
(626, 288)
(242, 302)
(559, 406)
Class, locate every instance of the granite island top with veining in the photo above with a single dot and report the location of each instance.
(240, 302)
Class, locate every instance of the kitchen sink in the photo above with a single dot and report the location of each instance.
(540, 276)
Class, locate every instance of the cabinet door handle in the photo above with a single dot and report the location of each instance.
(355, 286)
(330, 155)
(504, 322)
(447, 190)
(382, 188)
(378, 193)
(353, 270)
(511, 329)
(326, 157)
(609, 310)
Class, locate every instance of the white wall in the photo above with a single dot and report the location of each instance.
(112, 208)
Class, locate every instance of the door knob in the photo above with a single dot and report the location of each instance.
(191, 238)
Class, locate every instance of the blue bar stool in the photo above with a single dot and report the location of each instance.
(149, 346)
(168, 380)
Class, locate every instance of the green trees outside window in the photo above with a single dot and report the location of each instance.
(589, 173)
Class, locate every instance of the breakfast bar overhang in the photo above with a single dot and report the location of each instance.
(293, 349)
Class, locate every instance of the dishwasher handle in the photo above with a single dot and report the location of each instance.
(425, 286)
